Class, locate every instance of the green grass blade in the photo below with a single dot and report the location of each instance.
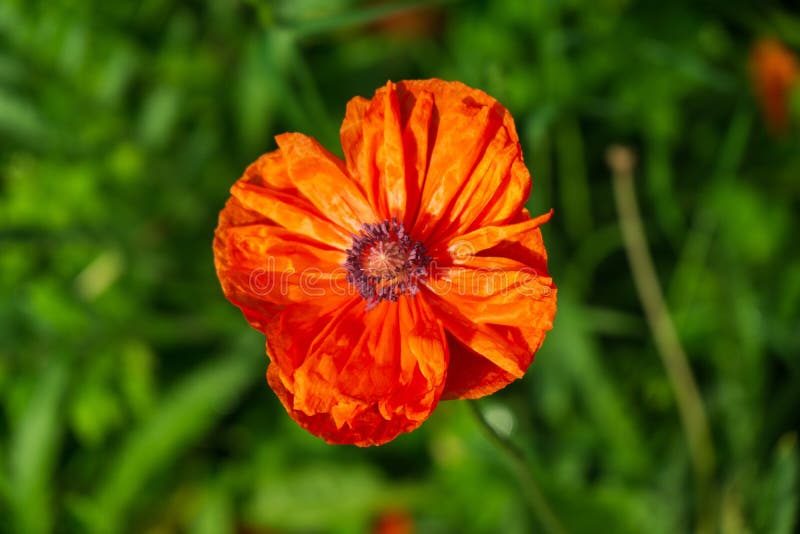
(33, 451)
(190, 410)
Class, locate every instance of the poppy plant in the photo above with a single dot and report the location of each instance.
(407, 273)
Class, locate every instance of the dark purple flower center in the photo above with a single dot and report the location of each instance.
(385, 262)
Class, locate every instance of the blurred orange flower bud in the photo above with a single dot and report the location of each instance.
(774, 70)
(418, 21)
(394, 522)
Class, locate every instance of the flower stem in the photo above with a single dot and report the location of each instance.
(687, 395)
(534, 495)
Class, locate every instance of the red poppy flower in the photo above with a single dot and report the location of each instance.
(774, 70)
(408, 273)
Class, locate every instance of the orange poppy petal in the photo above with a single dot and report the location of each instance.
(521, 240)
(361, 169)
(439, 153)
(495, 290)
(497, 186)
(267, 194)
(484, 339)
(386, 147)
(507, 349)
(367, 376)
(473, 154)
(372, 138)
(269, 170)
(322, 179)
(369, 428)
(417, 110)
(263, 267)
(470, 375)
(498, 302)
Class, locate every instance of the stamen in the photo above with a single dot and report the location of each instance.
(385, 262)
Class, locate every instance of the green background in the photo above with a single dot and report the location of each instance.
(132, 394)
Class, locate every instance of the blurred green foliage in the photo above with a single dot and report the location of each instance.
(133, 397)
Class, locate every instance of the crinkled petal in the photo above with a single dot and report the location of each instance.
(520, 240)
(367, 376)
(322, 179)
(268, 195)
(269, 170)
(281, 237)
(485, 339)
(474, 175)
(497, 301)
(417, 112)
(495, 290)
(470, 375)
(372, 139)
(440, 156)
(263, 267)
